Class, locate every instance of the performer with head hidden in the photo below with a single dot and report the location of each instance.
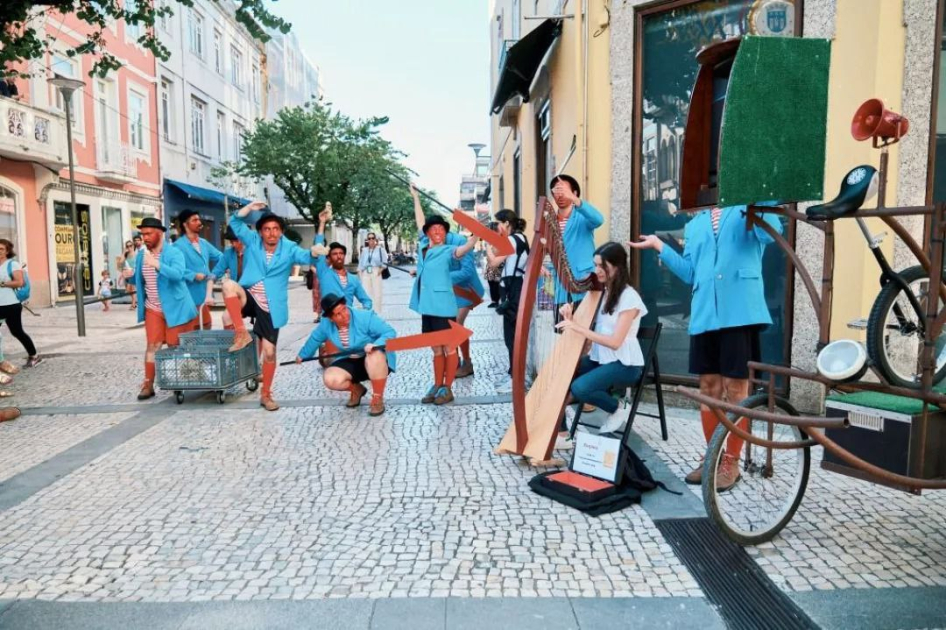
(199, 258)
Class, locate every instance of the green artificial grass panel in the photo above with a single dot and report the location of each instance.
(772, 145)
(886, 402)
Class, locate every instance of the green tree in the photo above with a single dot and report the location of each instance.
(20, 41)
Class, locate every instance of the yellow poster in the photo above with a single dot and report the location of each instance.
(65, 249)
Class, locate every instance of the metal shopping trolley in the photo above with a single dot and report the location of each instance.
(203, 362)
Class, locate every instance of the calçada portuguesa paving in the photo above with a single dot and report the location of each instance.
(117, 513)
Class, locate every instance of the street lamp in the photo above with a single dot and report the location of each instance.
(477, 147)
(66, 87)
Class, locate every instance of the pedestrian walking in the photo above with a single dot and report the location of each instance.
(372, 262)
(513, 269)
(105, 290)
(11, 310)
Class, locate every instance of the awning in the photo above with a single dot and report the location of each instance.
(522, 62)
(208, 195)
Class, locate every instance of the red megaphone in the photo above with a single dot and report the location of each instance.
(874, 121)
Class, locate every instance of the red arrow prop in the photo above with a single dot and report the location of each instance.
(468, 294)
(497, 240)
(453, 338)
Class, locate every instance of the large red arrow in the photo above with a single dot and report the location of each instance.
(453, 337)
(469, 295)
(497, 240)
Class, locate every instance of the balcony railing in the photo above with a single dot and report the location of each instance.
(116, 162)
(31, 133)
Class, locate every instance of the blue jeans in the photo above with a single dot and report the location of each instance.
(592, 381)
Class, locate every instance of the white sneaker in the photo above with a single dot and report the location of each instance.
(615, 423)
(564, 443)
(505, 386)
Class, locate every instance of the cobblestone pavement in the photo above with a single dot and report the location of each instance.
(204, 502)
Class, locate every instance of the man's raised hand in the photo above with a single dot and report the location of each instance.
(649, 241)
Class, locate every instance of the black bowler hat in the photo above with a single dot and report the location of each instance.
(435, 219)
(185, 215)
(230, 235)
(269, 216)
(571, 182)
(330, 301)
(151, 222)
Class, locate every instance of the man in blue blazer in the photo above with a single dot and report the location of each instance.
(722, 260)
(349, 329)
(580, 220)
(263, 288)
(229, 266)
(199, 258)
(164, 303)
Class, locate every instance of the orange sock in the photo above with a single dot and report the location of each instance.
(149, 371)
(465, 350)
(734, 443)
(452, 362)
(236, 313)
(439, 365)
(378, 385)
(269, 373)
(709, 420)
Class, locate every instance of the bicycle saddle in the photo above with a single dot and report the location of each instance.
(859, 185)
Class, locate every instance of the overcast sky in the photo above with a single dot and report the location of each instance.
(423, 63)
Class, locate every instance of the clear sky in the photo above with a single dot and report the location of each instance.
(423, 63)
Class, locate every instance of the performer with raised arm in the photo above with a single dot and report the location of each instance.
(349, 329)
(165, 304)
(722, 259)
(263, 288)
(432, 295)
(230, 266)
(463, 275)
(199, 258)
(332, 275)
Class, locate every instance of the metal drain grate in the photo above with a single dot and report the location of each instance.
(744, 596)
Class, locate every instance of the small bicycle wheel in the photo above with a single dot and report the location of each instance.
(772, 482)
(179, 397)
(895, 331)
(252, 384)
(221, 397)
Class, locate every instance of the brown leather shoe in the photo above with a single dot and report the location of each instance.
(268, 404)
(695, 476)
(728, 473)
(9, 413)
(358, 392)
(241, 339)
(377, 406)
(444, 396)
(465, 369)
(147, 391)
(9, 368)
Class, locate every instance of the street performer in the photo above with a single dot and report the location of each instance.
(432, 296)
(332, 275)
(229, 266)
(263, 289)
(199, 258)
(165, 304)
(349, 329)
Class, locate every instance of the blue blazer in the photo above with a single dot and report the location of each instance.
(227, 262)
(195, 263)
(579, 241)
(329, 282)
(275, 274)
(365, 327)
(432, 293)
(462, 272)
(725, 270)
(176, 301)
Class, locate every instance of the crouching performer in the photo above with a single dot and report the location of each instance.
(359, 331)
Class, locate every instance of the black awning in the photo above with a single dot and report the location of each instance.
(522, 62)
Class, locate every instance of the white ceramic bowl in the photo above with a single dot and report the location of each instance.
(843, 360)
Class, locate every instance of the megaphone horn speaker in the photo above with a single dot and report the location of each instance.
(873, 121)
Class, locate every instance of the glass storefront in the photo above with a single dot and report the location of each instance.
(8, 227)
(65, 250)
(667, 54)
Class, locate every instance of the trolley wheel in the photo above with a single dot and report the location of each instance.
(772, 483)
(252, 384)
(179, 397)
(221, 396)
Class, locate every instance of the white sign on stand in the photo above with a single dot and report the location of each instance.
(596, 456)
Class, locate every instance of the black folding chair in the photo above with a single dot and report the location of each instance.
(650, 375)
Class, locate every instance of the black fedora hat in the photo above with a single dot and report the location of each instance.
(185, 215)
(229, 234)
(151, 222)
(330, 301)
(269, 216)
(435, 219)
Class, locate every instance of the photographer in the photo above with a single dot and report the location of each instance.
(513, 269)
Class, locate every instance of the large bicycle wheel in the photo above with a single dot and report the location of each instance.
(895, 331)
(772, 482)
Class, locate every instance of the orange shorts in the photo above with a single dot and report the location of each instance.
(158, 332)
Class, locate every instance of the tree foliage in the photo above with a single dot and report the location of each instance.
(21, 39)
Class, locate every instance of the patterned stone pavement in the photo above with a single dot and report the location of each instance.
(317, 502)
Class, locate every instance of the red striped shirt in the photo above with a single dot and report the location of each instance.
(343, 278)
(715, 214)
(152, 299)
(258, 290)
(343, 335)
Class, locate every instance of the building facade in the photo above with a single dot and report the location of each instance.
(117, 160)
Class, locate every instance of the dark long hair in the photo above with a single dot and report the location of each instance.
(615, 254)
(510, 217)
(9, 246)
